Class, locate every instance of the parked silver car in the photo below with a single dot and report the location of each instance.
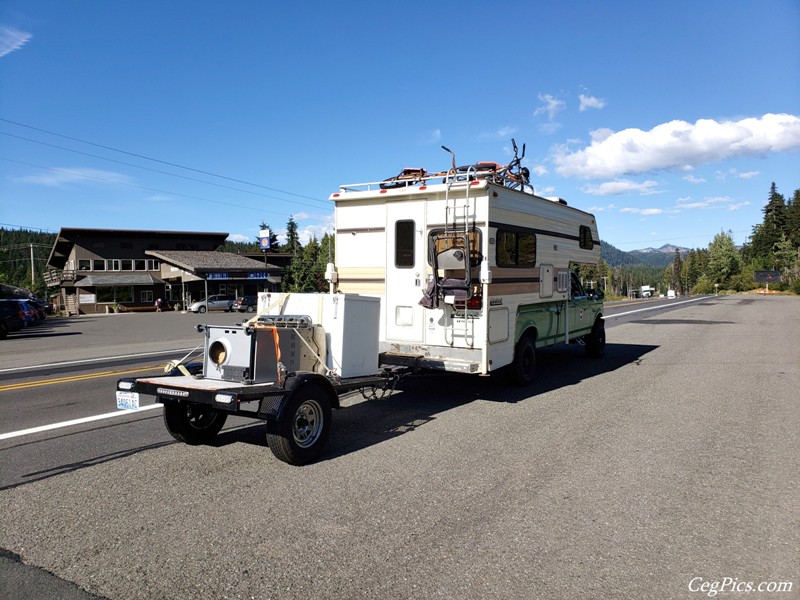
(217, 302)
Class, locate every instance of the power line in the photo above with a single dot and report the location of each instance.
(149, 189)
(163, 162)
(120, 162)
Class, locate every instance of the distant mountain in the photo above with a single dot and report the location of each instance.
(665, 249)
(651, 257)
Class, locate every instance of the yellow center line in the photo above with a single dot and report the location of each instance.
(72, 378)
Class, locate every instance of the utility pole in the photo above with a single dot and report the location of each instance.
(33, 273)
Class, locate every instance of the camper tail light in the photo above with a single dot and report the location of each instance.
(125, 385)
(474, 303)
(223, 398)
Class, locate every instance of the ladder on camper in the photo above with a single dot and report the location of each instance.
(451, 251)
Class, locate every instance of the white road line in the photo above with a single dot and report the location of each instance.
(87, 361)
(638, 310)
(119, 413)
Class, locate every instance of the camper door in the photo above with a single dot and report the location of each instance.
(405, 270)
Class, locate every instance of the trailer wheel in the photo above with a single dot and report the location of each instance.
(191, 423)
(523, 369)
(596, 340)
(300, 437)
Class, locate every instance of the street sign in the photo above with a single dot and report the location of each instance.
(767, 277)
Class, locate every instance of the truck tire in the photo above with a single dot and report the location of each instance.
(523, 369)
(596, 340)
(191, 423)
(300, 436)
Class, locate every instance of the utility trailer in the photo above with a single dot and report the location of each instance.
(277, 368)
(465, 270)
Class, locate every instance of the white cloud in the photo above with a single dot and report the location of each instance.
(238, 237)
(57, 177)
(678, 145)
(693, 179)
(622, 186)
(502, 133)
(552, 106)
(12, 39)
(539, 170)
(549, 128)
(588, 102)
(597, 209)
(646, 211)
(432, 137)
(710, 203)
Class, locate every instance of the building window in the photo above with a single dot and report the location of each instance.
(153, 265)
(127, 264)
(515, 249)
(98, 265)
(114, 293)
(585, 240)
(404, 244)
(140, 264)
(147, 296)
(114, 264)
(84, 264)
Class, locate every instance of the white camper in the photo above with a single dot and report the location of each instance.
(472, 268)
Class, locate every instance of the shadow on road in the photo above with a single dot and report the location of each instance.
(361, 424)
(418, 399)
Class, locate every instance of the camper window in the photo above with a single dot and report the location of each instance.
(585, 240)
(441, 242)
(515, 249)
(404, 244)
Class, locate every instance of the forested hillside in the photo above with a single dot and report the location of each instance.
(22, 251)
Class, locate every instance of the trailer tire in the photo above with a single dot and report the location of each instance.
(596, 340)
(523, 369)
(300, 436)
(193, 424)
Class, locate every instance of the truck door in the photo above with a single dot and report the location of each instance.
(579, 307)
(405, 270)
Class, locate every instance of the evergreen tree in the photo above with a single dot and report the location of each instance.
(724, 261)
(768, 233)
(293, 245)
(304, 270)
(793, 219)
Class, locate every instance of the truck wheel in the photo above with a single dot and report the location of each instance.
(193, 424)
(523, 369)
(299, 438)
(596, 340)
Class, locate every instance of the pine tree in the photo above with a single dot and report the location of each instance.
(293, 245)
(768, 233)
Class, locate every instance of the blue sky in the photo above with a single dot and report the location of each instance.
(668, 120)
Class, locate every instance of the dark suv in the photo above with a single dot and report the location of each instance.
(245, 304)
(11, 318)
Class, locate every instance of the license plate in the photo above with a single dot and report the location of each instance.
(128, 400)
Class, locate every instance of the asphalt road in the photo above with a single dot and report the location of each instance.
(669, 464)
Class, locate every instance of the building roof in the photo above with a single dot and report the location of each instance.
(117, 278)
(68, 236)
(200, 263)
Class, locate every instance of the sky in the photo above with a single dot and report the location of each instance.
(667, 120)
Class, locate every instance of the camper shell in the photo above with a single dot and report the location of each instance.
(467, 269)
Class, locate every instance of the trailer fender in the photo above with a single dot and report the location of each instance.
(294, 383)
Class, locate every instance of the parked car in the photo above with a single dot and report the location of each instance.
(26, 312)
(217, 302)
(10, 318)
(245, 304)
